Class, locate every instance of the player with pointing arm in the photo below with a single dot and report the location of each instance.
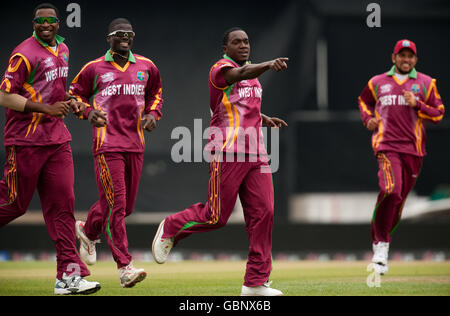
(235, 103)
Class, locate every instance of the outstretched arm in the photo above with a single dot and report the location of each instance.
(252, 71)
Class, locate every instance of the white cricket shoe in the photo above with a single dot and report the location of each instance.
(161, 246)
(129, 276)
(75, 285)
(87, 246)
(380, 257)
(262, 290)
(381, 269)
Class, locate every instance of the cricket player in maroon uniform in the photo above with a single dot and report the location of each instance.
(127, 98)
(395, 106)
(38, 147)
(239, 167)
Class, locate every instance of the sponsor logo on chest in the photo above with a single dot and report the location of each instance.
(56, 72)
(108, 77)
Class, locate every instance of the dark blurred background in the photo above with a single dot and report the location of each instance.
(333, 53)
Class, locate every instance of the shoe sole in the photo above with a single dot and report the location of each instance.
(160, 227)
(139, 278)
(85, 292)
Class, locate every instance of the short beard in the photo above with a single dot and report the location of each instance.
(398, 70)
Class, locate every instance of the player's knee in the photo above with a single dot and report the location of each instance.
(267, 215)
(391, 193)
(221, 222)
(120, 206)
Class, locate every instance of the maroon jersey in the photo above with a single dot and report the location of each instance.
(39, 73)
(401, 128)
(125, 94)
(236, 113)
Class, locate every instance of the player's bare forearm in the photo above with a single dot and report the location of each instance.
(252, 71)
(12, 101)
(31, 106)
(21, 104)
(58, 109)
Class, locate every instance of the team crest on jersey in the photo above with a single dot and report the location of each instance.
(415, 88)
(108, 77)
(66, 59)
(140, 75)
(386, 88)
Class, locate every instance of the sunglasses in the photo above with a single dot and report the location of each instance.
(48, 19)
(120, 33)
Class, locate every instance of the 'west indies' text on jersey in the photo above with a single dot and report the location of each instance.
(125, 94)
(39, 73)
(401, 128)
(236, 113)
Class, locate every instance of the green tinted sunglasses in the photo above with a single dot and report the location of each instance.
(48, 19)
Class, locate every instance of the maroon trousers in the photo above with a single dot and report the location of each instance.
(255, 189)
(50, 170)
(118, 176)
(396, 177)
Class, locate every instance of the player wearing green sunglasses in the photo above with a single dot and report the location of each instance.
(38, 145)
(46, 25)
(48, 19)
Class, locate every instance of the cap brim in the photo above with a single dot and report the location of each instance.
(402, 48)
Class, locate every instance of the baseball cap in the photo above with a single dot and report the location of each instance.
(404, 43)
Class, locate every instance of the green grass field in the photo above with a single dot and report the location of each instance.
(220, 278)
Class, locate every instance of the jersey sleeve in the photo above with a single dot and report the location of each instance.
(82, 88)
(432, 109)
(366, 103)
(217, 77)
(153, 94)
(16, 75)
